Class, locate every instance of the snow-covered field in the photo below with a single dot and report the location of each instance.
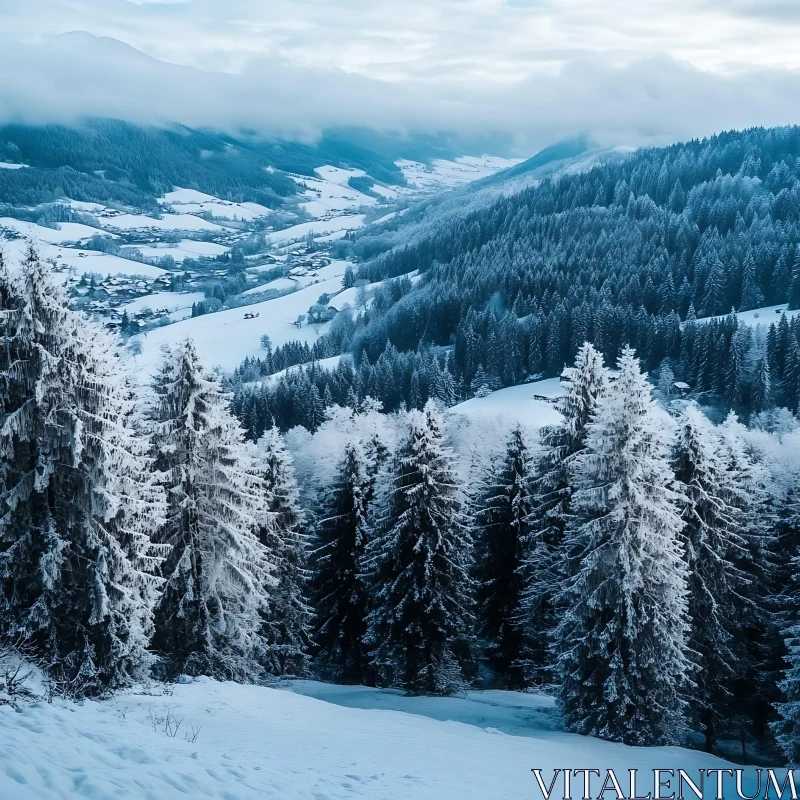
(70, 259)
(329, 193)
(516, 404)
(316, 228)
(163, 301)
(760, 316)
(186, 248)
(104, 264)
(314, 742)
(316, 275)
(481, 426)
(225, 338)
(443, 174)
(67, 231)
(190, 201)
(168, 222)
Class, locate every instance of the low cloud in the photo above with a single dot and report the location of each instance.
(656, 99)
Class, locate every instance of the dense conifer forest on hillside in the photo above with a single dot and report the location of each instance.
(111, 161)
(638, 251)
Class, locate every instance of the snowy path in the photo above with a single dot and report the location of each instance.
(317, 742)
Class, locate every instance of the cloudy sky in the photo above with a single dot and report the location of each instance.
(626, 71)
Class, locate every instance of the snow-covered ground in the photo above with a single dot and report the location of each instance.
(516, 404)
(481, 426)
(75, 260)
(225, 338)
(313, 742)
(443, 174)
(66, 232)
(190, 201)
(760, 316)
(186, 248)
(316, 228)
(329, 193)
(168, 222)
(163, 301)
(314, 275)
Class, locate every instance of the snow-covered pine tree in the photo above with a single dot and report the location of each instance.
(715, 536)
(794, 287)
(502, 508)
(340, 596)
(208, 620)
(761, 396)
(76, 561)
(759, 627)
(544, 565)
(787, 649)
(752, 296)
(621, 642)
(287, 620)
(418, 563)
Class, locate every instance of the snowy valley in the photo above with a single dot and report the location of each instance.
(319, 484)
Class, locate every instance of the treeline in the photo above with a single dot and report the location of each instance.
(625, 253)
(723, 361)
(302, 396)
(105, 160)
(112, 161)
(282, 357)
(32, 186)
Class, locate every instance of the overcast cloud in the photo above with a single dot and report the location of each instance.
(624, 71)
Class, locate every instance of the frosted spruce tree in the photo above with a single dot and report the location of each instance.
(621, 642)
(761, 560)
(287, 619)
(715, 536)
(340, 596)
(545, 566)
(419, 632)
(208, 620)
(503, 506)
(76, 505)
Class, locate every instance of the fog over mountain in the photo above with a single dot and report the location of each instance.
(524, 68)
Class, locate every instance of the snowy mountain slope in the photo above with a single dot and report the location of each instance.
(186, 248)
(170, 301)
(444, 174)
(168, 222)
(318, 228)
(480, 427)
(329, 193)
(226, 338)
(66, 231)
(439, 211)
(79, 261)
(335, 269)
(520, 404)
(190, 201)
(760, 316)
(318, 741)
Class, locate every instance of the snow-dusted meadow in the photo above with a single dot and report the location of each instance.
(445, 174)
(190, 201)
(312, 741)
(226, 338)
